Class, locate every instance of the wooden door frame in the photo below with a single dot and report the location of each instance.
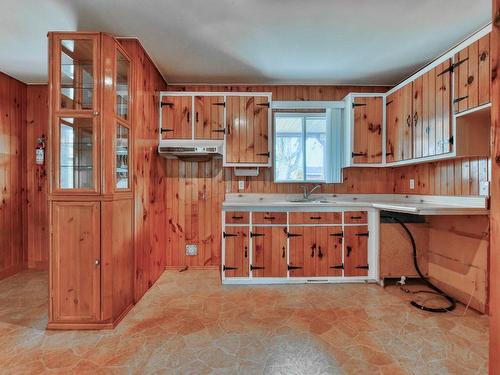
(494, 301)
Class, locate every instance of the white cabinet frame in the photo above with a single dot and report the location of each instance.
(225, 95)
(373, 225)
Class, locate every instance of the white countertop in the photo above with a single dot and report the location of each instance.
(412, 204)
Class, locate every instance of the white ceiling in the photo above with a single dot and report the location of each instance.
(251, 41)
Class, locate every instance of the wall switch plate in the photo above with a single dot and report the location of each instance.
(484, 188)
(412, 183)
(241, 184)
(191, 250)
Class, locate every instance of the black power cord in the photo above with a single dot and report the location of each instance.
(435, 289)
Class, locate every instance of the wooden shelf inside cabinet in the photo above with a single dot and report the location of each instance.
(473, 133)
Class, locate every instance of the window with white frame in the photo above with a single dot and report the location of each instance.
(303, 148)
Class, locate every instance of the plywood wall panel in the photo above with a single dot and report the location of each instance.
(149, 183)
(37, 226)
(12, 175)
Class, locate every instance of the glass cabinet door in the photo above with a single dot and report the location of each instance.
(77, 74)
(122, 157)
(76, 153)
(122, 85)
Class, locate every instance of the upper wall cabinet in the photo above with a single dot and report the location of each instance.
(241, 122)
(209, 117)
(364, 129)
(247, 130)
(176, 117)
(472, 75)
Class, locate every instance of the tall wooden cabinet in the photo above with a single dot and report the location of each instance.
(91, 204)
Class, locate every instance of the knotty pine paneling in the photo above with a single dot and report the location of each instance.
(195, 191)
(12, 176)
(149, 182)
(37, 219)
(494, 261)
(448, 177)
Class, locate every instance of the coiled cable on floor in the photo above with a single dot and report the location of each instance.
(435, 289)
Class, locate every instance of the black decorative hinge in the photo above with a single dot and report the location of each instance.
(168, 104)
(224, 234)
(255, 268)
(363, 267)
(458, 100)
(222, 104)
(339, 234)
(339, 267)
(164, 130)
(452, 67)
(365, 234)
(294, 267)
(268, 154)
(252, 234)
(264, 104)
(288, 234)
(389, 102)
(354, 154)
(354, 105)
(224, 268)
(451, 140)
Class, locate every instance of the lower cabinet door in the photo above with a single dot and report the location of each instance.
(236, 252)
(75, 261)
(296, 245)
(356, 251)
(269, 251)
(329, 252)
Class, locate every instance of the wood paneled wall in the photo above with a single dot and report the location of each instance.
(37, 220)
(149, 182)
(12, 176)
(448, 177)
(195, 191)
(494, 368)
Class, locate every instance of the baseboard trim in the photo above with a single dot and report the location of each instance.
(202, 268)
(78, 326)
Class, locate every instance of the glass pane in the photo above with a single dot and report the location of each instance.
(122, 74)
(315, 148)
(289, 148)
(75, 155)
(77, 81)
(121, 157)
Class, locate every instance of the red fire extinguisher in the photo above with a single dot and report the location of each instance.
(40, 151)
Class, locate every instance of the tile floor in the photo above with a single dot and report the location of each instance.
(189, 324)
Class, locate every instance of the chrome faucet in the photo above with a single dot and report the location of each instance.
(306, 193)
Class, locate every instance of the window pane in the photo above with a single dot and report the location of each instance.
(121, 157)
(315, 148)
(75, 155)
(289, 149)
(122, 73)
(77, 83)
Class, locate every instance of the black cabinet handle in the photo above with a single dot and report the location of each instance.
(415, 119)
(196, 117)
(320, 254)
(313, 247)
(236, 217)
(189, 116)
(246, 252)
(408, 120)
(349, 250)
(283, 255)
(164, 130)
(269, 217)
(356, 217)
(315, 218)
(354, 154)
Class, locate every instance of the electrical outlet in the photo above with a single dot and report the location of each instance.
(484, 188)
(191, 250)
(241, 184)
(412, 183)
